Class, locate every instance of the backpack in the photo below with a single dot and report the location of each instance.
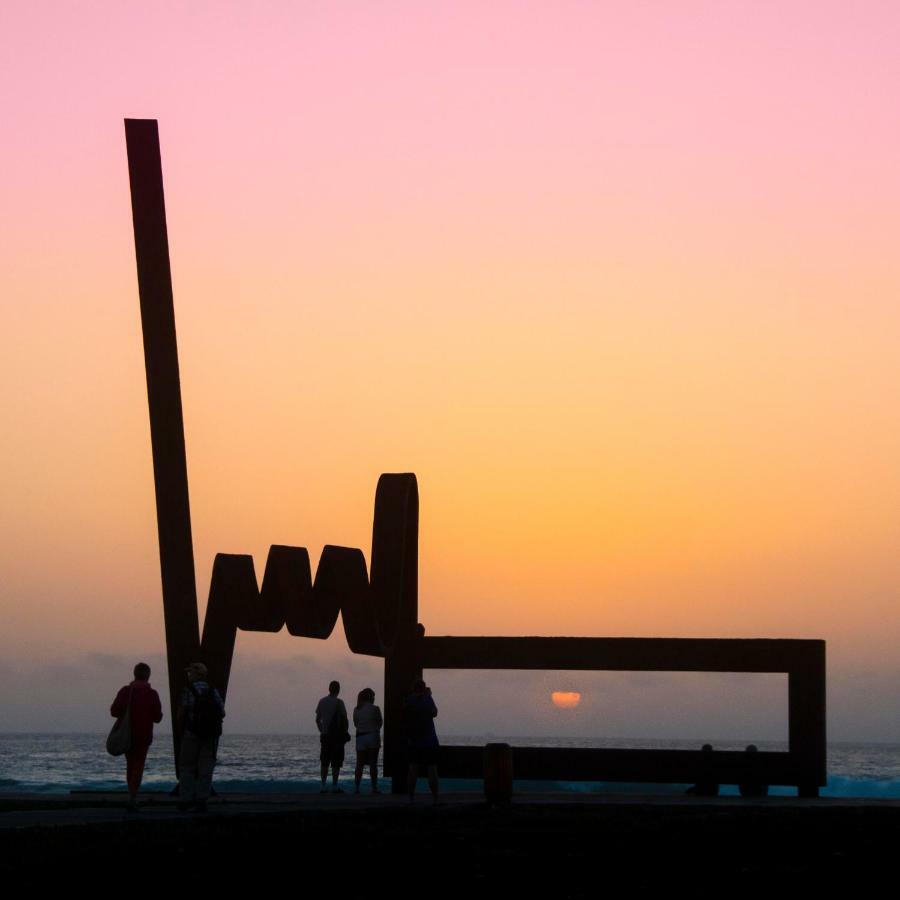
(337, 728)
(207, 717)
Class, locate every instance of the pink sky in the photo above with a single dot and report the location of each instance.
(618, 281)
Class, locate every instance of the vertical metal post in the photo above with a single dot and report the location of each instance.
(395, 592)
(401, 667)
(806, 719)
(173, 514)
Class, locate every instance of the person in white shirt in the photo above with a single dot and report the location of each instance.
(367, 721)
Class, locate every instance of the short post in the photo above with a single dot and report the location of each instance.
(498, 773)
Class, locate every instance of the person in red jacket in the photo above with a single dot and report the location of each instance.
(145, 711)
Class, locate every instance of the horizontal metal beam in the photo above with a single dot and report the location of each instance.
(640, 766)
(621, 654)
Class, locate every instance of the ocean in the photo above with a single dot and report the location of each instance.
(59, 763)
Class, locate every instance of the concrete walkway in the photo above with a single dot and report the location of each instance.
(42, 810)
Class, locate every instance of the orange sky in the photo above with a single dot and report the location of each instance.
(620, 287)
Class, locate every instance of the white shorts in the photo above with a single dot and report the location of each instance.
(369, 741)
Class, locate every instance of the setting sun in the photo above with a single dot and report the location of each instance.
(566, 699)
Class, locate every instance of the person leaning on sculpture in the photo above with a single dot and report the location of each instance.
(200, 713)
(367, 721)
(142, 704)
(418, 718)
(331, 720)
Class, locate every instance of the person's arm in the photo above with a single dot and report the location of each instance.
(433, 707)
(219, 702)
(157, 708)
(319, 717)
(119, 705)
(355, 719)
(181, 715)
(378, 719)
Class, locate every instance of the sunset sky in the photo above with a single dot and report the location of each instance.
(617, 281)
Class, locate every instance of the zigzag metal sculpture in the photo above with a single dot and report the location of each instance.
(380, 609)
(379, 616)
(370, 611)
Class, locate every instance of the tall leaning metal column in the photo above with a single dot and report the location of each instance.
(173, 513)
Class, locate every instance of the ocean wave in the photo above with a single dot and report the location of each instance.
(838, 787)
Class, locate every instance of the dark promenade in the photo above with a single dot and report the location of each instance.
(568, 846)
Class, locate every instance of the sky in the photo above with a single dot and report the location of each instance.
(618, 282)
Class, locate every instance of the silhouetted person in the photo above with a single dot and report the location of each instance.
(200, 713)
(367, 721)
(707, 786)
(331, 720)
(753, 788)
(418, 716)
(142, 704)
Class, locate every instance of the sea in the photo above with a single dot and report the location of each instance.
(289, 763)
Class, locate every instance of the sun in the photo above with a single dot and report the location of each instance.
(566, 699)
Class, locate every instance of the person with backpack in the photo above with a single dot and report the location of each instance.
(331, 720)
(200, 713)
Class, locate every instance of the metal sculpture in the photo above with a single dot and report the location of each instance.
(173, 511)
(379, 609)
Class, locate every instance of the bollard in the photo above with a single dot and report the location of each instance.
(498, 773)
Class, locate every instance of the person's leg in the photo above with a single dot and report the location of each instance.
(433, 782)
(129, 776)
(358, 773)
(411, 777)
(135, 760)
(325, 761)
(373, 771)
(187, 767)
(335, 771)
(206, 762)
